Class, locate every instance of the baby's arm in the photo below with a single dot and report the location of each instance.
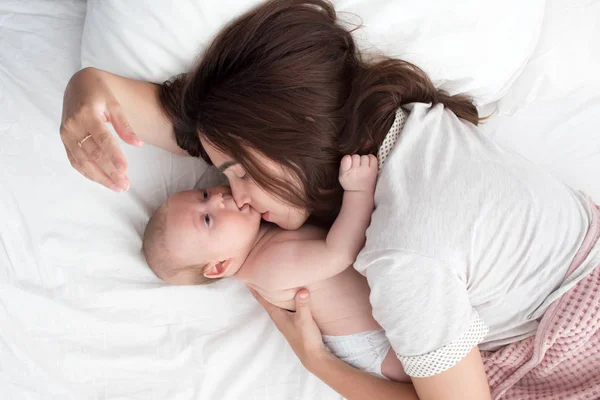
(299, 259)
(358, 175)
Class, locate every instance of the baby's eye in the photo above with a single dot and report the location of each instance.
(207, 220)
(205, 195)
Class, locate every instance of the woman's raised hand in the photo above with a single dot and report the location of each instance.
(88, 105)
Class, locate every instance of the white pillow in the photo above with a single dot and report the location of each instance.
(567, 57)
(477, 47)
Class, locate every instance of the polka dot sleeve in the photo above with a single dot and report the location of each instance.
(391, 137)
(424, 306)
(448, 356)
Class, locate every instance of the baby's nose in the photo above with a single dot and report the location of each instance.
(217, 200)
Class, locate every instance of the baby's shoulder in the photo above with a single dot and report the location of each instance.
(282, 242)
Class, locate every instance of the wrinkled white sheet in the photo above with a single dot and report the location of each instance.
(81, 317)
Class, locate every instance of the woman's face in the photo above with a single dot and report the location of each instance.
(246, 191)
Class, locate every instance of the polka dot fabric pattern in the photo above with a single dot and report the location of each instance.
(391, 137)
(562, 360)
(448, 356)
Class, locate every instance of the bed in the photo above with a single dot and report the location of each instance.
(82, 317)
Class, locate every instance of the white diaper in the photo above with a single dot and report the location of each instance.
(365, 350)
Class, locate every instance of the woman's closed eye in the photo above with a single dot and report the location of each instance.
(240, 172)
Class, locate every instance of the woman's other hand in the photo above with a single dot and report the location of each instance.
(299, 328)
(88, 105)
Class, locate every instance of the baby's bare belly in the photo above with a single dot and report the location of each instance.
(340, 305)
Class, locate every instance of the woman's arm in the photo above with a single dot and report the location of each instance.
(303, 335)
(140, 106)
(93, 98)
(355, 384)
(465, 381)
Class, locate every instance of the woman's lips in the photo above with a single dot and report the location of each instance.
(247, 208)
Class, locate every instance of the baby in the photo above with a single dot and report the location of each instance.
(199, 237)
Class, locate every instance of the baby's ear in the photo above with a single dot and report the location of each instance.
(218, 269)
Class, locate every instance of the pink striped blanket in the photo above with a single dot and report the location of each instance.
(562, 360)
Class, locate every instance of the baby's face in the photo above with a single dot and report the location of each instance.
(206, 225)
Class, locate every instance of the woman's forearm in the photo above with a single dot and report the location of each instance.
(354, 384)
(140, 105)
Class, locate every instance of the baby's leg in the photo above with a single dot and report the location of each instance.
(392, 368)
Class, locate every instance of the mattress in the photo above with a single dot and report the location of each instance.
(82, 317)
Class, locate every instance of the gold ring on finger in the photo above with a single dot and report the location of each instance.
(82, 141)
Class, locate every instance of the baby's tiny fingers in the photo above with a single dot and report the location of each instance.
(346, 163)
(372, 160)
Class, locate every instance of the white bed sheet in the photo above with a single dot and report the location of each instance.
(561, 135)
(81, 317)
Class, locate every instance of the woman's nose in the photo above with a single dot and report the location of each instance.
(240, 196)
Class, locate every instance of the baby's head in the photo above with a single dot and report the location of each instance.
(199, 236)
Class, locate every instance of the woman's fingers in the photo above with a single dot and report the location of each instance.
(299, 328)
(92, 172)
(107, 148)
(122, 126)
(88, 107)
(98, 157)
(302, 300)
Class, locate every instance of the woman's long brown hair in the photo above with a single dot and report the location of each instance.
(286, 80)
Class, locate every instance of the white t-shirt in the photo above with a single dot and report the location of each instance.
(468, 243)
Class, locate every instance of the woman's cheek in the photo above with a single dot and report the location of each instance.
(295, 218)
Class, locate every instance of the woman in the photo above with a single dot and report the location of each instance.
(468, 245)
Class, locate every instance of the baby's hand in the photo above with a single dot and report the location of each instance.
(358, 173)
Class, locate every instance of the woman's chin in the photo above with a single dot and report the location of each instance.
(289, 224)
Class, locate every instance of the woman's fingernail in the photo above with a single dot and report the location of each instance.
(303, 296)
(120, 167)
(116, 188)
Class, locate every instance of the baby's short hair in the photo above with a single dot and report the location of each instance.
(158, 255)
(154, 244)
